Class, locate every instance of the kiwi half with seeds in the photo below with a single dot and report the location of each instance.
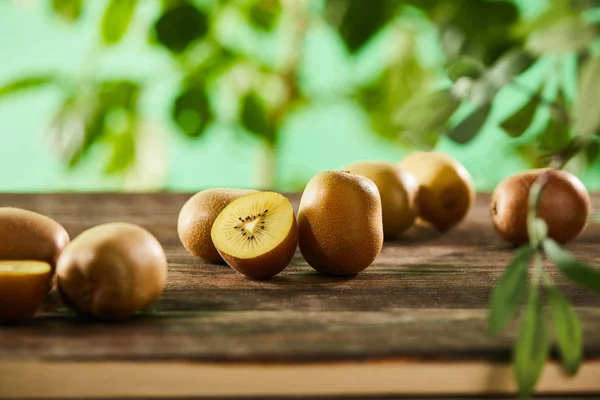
(256, 234)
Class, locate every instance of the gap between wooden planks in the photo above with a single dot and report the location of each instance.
(60, 379)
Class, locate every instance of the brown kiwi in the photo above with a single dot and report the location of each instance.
(446, 192)
(27, 235)
(197, 217)
(257, 234)
(397, 189)
(23, 287)
(340, 227)
(564, 205)
(110, 271)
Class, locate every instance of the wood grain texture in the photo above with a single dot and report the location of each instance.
(422, 301)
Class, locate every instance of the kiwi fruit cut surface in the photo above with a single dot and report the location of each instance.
(27, 235)
(23, 287)
(564, 205)
(256, 234)
(397, 189)
(340, 227)
(197, 217)
(446, 191)
(111, 271)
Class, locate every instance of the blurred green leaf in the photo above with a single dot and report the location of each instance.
(532, 346)
(588, 97)
(191, 110)
(403, 79)
(482, 30)
(253, 117)
(566, 35)
(179, 26)
(424, 118)
(468, 128)
(592, 151)
(116, 19)
(510, 65)
(30, 82)
(517, 123)
(509, 290)
(122, 154)
(556, 136)
(572, 268)
(82, 119)
(119, 93)
(68, 9)
(263, 14)
(568, 330)
(78, 124)
(358, 21)
(466, 67)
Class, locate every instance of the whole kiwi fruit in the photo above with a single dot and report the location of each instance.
(196, 219)
(446, 192)
(340, 227)
(110, 271)
(397, 189)
(564, 205)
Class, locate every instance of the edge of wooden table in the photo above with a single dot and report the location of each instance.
(63, 379)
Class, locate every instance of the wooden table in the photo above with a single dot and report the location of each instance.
(414, 323)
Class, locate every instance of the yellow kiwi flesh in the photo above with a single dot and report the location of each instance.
(256, 234)
(197, 217)
(23, 286)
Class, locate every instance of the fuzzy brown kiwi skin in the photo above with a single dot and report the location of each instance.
(110, 271)
(269, 264)
(27, 235)
(197, 217)
(340, 228)
(564, 206)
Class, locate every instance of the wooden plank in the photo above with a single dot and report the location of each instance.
(342, 380)
(417, 312)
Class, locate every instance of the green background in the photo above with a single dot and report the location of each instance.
(330, 133)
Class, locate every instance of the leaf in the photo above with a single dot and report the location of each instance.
(358, 21)
(468, 128)
(510, 65)
(588, 97)
(566, 35)
(403, 79)
(466, 67)
(556, 136)
(26, 83)
(68, 9)
(518, 122)
(509, 290)
(116, 19)
(122, 154)
(253, 116)
(78, 124)
(191, 110)
(424, 118)
(263, 14)
(532, 345)
(570, 267)
(568, 330)
(119, 93)
(179, 26)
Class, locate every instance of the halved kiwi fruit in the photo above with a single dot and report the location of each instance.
(23, 287)
(256, 234)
